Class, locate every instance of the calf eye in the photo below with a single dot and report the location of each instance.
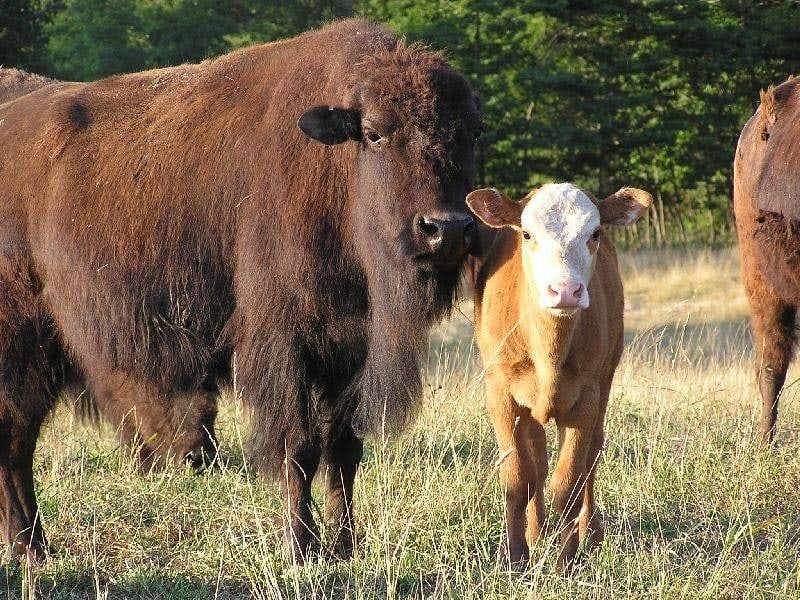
(596, 235)
(526, 235)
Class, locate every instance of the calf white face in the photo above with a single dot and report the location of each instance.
(560, 227)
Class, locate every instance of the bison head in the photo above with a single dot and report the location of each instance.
(407, 125)
(414, 122)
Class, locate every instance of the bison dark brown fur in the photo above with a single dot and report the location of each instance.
(153, 425)
(289, 216)
(766, 199)
(16, 82)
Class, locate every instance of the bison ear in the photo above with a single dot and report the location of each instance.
(331, 125)
(624, 207)
(495, 209)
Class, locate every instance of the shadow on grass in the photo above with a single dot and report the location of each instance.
(337, 582)
(79, 586)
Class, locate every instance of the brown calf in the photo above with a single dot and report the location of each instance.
(548, 352)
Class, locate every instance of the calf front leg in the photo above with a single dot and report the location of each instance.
(590, 526)
(570, 477)
(520, 440)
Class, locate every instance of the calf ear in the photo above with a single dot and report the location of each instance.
(624, 207)
(495, 209)
(331, 125)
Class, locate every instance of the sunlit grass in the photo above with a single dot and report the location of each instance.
(693, 509)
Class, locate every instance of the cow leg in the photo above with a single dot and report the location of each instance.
(519, 439)
(590, 527)
(343, 452)
(773, 329)
(576, 432)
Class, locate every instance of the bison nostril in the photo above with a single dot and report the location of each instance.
(429, 227)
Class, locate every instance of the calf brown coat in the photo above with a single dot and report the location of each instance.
(540, 366)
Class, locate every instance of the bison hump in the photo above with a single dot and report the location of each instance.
(778, 188)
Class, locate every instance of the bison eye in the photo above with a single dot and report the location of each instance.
(477, 134)
(596, 234)
(526, 235)
(374, 138)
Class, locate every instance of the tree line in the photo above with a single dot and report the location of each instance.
(651, 93)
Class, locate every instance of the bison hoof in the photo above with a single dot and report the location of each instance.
(343, 544)
(303, 546)
(35, 553)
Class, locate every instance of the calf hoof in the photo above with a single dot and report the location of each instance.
(591, 533)
(516, 558)
(566, 557)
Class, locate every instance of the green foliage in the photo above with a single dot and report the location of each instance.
(649, 93)
(90, 39)
(21, 36)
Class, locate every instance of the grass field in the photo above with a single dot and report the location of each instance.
(692, 508)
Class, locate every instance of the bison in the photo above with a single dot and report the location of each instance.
(153, 427)
(548, 319)
(766, 201)
(289, 218)
(16, 82)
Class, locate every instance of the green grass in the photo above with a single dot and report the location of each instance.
(692, 507)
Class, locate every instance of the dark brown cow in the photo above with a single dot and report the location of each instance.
(154, 426)
(289, 216)
(766, 199)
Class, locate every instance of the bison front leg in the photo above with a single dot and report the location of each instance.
(570, 477)
(21, 522)
(302, 460)
(773, 329)
(342, 455)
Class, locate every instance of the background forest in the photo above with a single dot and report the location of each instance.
(651, 93)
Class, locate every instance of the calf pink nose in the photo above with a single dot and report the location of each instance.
(565, 295)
